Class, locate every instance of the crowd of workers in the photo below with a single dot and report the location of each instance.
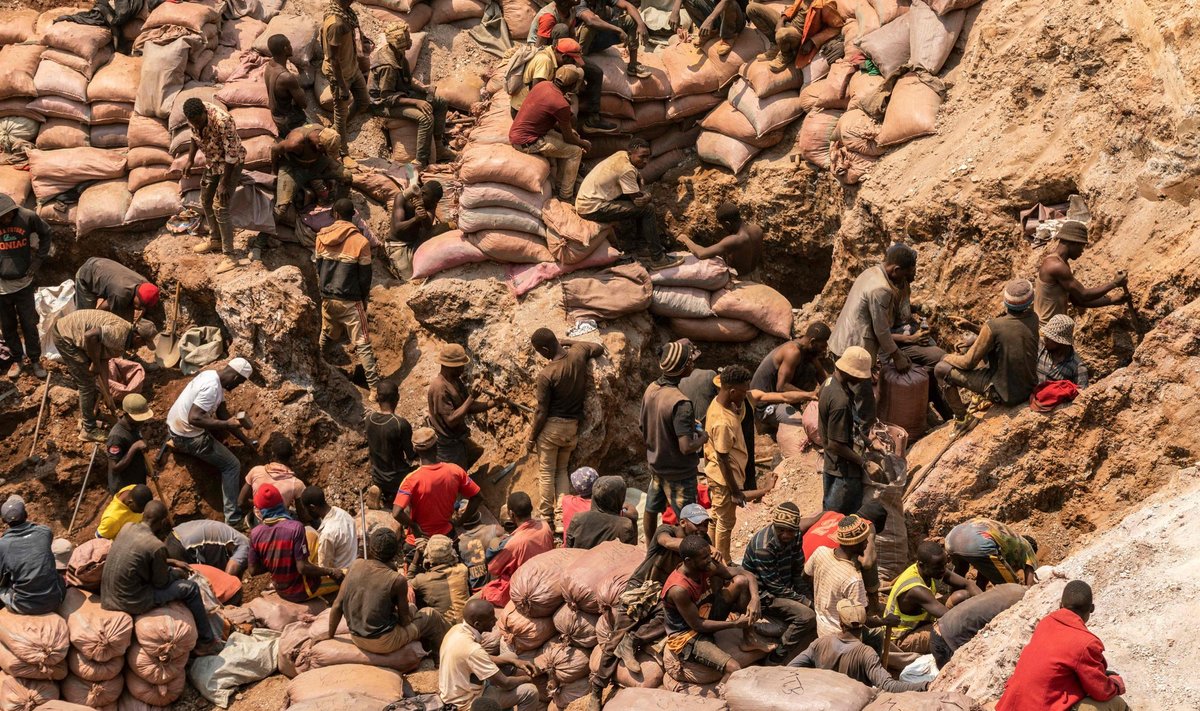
(815, 576)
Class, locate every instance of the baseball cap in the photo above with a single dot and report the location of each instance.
(851, 614)
(695, 513)
(570, 48)
(242, 367)
(13, 510)
(267, 497)
(136, 407)
(147, 293)
(61, 549)
(7, 204)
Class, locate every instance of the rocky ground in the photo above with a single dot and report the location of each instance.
(1047, 100)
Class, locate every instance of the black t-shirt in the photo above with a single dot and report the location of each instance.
(120, 438)
(659, 561)
(389, 442)
(835, 410)
(101, 278)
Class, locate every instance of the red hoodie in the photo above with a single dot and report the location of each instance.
(1062, 664)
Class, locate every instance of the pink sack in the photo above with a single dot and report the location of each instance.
(14, 666)
(724, 151)
(341, 651)
(109, 136)
(714, 330)
(816, 136)
(156, 670)
(273, 612)
(766, 115)
(154, 694)
(766, 82)
(89, 669)
(167, 632)
(40, 641)
(503, 164)
(578, 628)
(598, 577)
(524, 634)
(563, 663)
(757, 304)
(93, 693)
(536, 588)
(642, 699)
(17, 694)
(385, 685)
(86, 566)
(727, 121)
(445, 251)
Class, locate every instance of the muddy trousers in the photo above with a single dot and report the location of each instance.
(19, 320)
(430, 119)
(766, 19)
(216, 204)
(622, 213)
(356, 89)
(798, 619)
(728, 26)
(522, 698)
(567, 158)
(645, 631)
(207, 449)
(555, 444)
(79, 366)
(340, 317)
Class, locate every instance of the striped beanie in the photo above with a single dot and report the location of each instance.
(675, 357)
(1018, 295)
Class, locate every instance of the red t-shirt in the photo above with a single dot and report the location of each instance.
(572, 505)
(544, 107)
(430, 493)
(823, 533)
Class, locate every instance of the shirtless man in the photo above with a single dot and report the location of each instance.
(1056, 283)
(414, 220)
(285, 97)
(299, 158)
(741, 248)
(793, 369)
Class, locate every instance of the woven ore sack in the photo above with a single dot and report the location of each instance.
(792, 689)
(57, 134)
(695, 71)
(448, 11)
(888, 47)
(920, 701)
(39, 641)
(53, 79)
(79, 40)
(166, 632)
(862, 86)
(86, 566)
(462, 91)
(20, 62)
(578, 628)
(89, 669)
(301, 31)
(14, 666)
(60, 705)
(696, 673)
(536, 587)
(581, 236)
(92, 693)
(15, 183)
(510, 247)
(686, 106)
(109, 136)
(858, 132)
(832, 92)
(766, 115)
(931, 36)
(163, 67)
(904, 398)
(598, 578)
(501, 195)
(190, 15)
(728, 121)
(111, 112)
(913, 110)
(708, 274)
(154, 202)
(523, 634)
(816, 135)
(656, 87)
(117, 80)
(497, 218)
(148, 132)
(273, 612)
(341, 650)
(719, 149)
(503, 164)
(17, 26)
(156, 670)
(385, 685)
(102, 206)
(650, 677)
(847, 165)
(757, 304)
(445, 251)
(154, 694)
(767, 83)
(714, 330)
(563, 662)
(617, 291)
(17, 694)
(643, 699)
(680, 302)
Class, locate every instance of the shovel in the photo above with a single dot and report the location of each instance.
(166, 349)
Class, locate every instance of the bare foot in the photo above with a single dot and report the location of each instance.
(751, 643)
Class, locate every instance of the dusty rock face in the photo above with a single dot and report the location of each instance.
(1078, 469)
(272, 320)
(1140, 578)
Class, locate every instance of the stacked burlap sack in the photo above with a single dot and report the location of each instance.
(348, 687)
(157, 659)
(300, 651)
(99, 642)
(33, 657)
(704, 302)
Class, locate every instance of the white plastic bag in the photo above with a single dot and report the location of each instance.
(922, 669)
(244, 660)
(52, 303)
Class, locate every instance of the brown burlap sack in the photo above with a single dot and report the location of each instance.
(715, 330)
(14, 666)
(503, 164)
(523, 633)
(758, 304)
(89, 669)
(154, 694)
(40, 641)
(720, 149)
(599, 575)
(273, 612)
(385, 685)
(913, 109)
(17, 694)
(341, 650)
(578, 628)
(92, 693)
(154, 669)
(779, 689)
(536, 587)
(509, 247)
(165, 633)
(563, 662)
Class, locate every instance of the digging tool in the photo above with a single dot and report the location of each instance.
(506, 470)
(362, 514)
(83, 489)
(887, 645)
(37, 429)
(162, 453)
(503, 398)
(157, 489)
(918, 473)
(166, 350)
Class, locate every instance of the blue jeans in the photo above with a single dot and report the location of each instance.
(843, 494)
(188, 593)
(207, 449)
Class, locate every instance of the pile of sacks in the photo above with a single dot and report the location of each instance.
(93, 657)
(704, 301)
(418, 15)
(299, 651)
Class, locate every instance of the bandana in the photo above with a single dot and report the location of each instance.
(582, 480)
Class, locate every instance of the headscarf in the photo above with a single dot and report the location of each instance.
(344, 13)
(398, 34)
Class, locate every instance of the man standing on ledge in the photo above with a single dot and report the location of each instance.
(450, 404)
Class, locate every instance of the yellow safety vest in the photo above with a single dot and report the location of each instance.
(908, 580)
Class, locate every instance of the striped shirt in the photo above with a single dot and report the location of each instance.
(834, 580)
(276, 545)
(778, 566)
(1071, 368)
